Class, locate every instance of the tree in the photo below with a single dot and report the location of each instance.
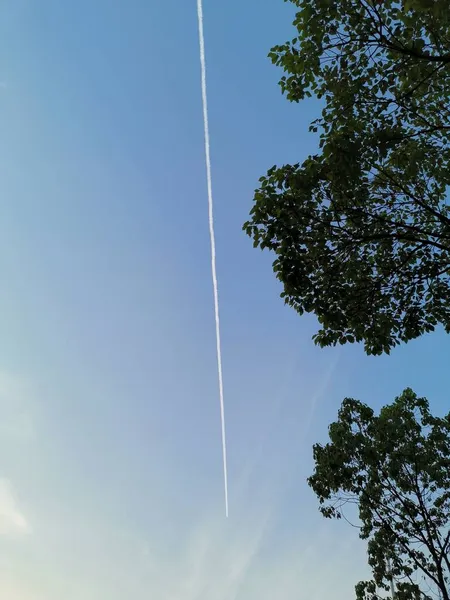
(395, 468)
(361, 230)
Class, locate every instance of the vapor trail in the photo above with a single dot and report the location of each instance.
(213, 242)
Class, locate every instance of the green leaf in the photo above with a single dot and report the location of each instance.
(389, 476)
(362, 229)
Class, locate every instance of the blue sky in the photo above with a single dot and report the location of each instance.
(110, 456)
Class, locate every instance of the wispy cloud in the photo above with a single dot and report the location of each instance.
(243, 561)
(12, 520)
(219, 556)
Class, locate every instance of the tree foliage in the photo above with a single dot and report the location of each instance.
(361, 230)
(395, 468)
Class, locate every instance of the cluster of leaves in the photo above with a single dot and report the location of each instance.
(395, 467)
(361, 231)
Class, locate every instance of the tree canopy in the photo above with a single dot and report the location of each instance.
(395, 468)
(361, 230)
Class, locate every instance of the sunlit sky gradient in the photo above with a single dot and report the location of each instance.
(110, 457)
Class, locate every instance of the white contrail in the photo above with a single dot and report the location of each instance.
(213, 242)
